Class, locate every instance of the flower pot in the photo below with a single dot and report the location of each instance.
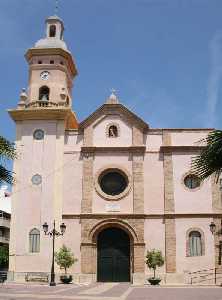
(154, 281)
(66, 278)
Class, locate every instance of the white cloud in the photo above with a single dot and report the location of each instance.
(215, 78)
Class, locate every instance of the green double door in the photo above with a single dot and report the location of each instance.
(113, 256)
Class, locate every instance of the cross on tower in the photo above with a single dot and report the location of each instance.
(113, 91)
(56, 7)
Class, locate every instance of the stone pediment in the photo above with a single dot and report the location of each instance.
(114, 109)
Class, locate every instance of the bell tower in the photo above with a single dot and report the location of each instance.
(43, 114)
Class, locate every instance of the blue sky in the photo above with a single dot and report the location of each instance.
(163, 56)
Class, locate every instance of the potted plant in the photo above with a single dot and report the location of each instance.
(154, 259)
(65, 259)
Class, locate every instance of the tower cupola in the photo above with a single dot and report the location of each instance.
(54, 34)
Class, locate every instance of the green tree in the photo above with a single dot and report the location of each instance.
(209, 162)
(7, 152)
(4, 255)
(65, 258)
(154, 259)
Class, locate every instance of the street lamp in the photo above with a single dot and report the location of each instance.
(53, 233)
(218, 232)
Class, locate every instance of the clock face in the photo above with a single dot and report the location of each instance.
(44, 75)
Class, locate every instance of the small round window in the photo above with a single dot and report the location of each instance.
(113, 182)
(192, 181)
(36, 179)
(38, 134)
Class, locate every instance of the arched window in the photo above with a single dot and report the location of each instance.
(195, 243)
(113, 131)
(52, 31)
(44, 93)
(34, 240)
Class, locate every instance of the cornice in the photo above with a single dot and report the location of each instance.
(40, 114)
(53, 51)
(132, 149)
(170, 149)
(143, 216)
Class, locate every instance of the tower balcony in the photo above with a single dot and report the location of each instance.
(46, 104)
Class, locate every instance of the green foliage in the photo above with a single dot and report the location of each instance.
(7, 152)
(4, 255)
(210, 159)
(65, 258)
(154, 259)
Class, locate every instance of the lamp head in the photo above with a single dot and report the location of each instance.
(63, 228)
(45, 227)
(212, 227)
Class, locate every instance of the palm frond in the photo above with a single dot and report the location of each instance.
(6, 176)
(7, 149)
(209, 162)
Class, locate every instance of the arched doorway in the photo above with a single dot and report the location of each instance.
(113, 255)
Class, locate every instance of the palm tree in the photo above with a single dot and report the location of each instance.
(209, 162)
(7, 152)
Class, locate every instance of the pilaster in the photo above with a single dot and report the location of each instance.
(170, 230)
(87, 183)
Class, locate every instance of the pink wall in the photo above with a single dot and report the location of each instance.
(188, 138)
(188, 201)
(72, 188)
(153, 188)
(196, 263)
(99, 132)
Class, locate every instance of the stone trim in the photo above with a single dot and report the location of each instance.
(119, 169)
(90, 228)
(202, 241)
(88, 136)
(170, 245)
(137, 136)
(170, 149)
(53, 51)
(114, 109)
(107, 130)
(217, 240)
(169, 206)
(216, 195)
(138, 186)
(131, 149)
(183, 183)
(87, 184)
(96, 229)
(141, 216)
(168, 183)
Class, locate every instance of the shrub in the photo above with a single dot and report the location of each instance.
(154, 259)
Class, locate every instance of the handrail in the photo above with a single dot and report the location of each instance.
(205, 275)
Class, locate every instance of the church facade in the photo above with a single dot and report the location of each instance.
(120, 186)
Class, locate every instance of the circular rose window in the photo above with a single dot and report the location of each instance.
(112, 183)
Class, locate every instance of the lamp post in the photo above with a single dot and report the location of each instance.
(53, 233)
(214, 230)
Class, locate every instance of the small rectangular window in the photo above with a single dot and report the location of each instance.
(39, 62)
(51, 62)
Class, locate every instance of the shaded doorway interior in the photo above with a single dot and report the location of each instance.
(113, 256)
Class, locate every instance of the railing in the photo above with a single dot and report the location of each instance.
(206, 276)
(43, 103)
